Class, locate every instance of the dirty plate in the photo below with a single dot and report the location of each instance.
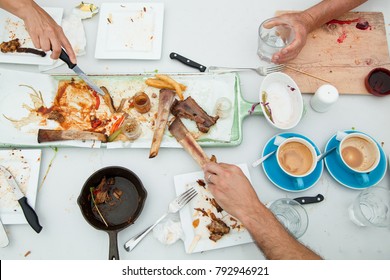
(281, 100)
(130, 31)
(196, 234)
(24, 165)
(12, 27)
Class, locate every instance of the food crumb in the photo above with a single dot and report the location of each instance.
(27, 253)
(382, 144)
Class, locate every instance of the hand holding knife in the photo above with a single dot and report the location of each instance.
(28, 211)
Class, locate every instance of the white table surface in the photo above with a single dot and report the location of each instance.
(216, 32)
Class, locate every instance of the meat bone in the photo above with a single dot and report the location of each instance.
(49, 135)
(185, 138)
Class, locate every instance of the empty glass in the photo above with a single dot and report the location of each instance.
(291, 214)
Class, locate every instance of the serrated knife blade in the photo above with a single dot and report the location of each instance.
(28, 211)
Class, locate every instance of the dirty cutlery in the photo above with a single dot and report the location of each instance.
(277, 141)
(178, 203)
(310, 199)
(28, 211)
(65, 58)
(321, 156)
(261, 70)
(187, 61)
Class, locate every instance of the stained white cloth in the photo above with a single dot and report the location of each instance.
(168, 231)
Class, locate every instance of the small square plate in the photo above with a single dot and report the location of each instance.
(130, 31)
(196, 238)
(12, 27)
(24, 165)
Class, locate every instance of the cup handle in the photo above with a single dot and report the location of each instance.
(362, 178)
(340, 135)
(298, 183)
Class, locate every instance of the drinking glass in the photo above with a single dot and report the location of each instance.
(274, 35)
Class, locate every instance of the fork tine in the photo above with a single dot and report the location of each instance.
(188, 199)
(276, 67)
(185, 195)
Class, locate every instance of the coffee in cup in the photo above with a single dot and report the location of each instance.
(296, 157)
(359, 152)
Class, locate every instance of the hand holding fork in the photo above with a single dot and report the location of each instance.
(178, 203)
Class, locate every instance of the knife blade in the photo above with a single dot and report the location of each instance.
(28, 211)
(65, 58)
(187, 61)
(310, 199)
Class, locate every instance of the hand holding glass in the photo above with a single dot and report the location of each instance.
(274, 35)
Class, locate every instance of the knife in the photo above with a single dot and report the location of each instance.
(187, 61)
(28, 211)
(65, 58)
(310, 199)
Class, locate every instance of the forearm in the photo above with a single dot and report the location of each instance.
(272, 238)
(327, 10)
(19, 7)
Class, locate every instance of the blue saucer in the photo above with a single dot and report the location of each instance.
(345, 177)
(281, 179)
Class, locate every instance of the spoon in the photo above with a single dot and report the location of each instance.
(320, 157)
(277, 141)
(260, 160)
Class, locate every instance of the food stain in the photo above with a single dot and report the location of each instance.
(360, 24)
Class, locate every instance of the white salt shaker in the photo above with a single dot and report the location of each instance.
(324, 98)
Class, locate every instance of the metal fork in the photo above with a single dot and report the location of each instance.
(261, 70)
(175, 205)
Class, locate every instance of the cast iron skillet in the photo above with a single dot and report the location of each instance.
(120, 214)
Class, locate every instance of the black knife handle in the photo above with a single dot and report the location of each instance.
(30, 215)
(187, 61)
(65, 58)
(310, 199)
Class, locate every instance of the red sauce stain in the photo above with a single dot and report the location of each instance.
(342, 37)
(337, 21)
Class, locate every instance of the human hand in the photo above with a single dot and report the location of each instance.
(46, 34)
(302, 25)
(231, 188)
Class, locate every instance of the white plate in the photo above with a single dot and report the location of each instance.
(283, 100)
(197, 239)
(24, 165)
(130, 31)
(12, 27)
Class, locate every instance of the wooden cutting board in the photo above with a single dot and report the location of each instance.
(342, 54)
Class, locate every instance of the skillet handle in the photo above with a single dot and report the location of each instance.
(113, 253)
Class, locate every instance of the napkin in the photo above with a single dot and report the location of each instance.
(169, 231)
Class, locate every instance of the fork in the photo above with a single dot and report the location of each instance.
(175, 205)
(261, 70)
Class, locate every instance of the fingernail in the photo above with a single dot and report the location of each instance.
(276, 57)
(284, 51)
